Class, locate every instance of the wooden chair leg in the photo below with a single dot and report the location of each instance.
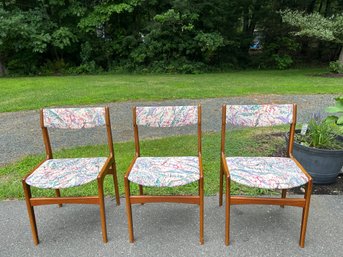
(128, 210)
(199, 187)
(201, 211)
(141, 191)
(30, 210)
(221, 177)
(227, 212)
(102, 210)
(58, 194)
(283, 195)
(306, 209)
(115, 181)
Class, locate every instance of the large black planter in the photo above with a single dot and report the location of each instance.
(323, 165)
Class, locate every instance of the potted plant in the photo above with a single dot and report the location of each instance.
(319, 148)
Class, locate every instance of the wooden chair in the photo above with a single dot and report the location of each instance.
(165, 171)
(263, 172)
(65, 173)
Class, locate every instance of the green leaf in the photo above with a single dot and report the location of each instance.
(340, 120)
(333, 109)
(331, 119)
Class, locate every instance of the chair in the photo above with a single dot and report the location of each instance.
(70, 172)
(263, 172)
(165, 171)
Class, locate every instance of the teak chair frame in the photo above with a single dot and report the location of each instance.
(109, 168)
(141, 198)
(233, 200)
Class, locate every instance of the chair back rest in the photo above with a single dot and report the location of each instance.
(259, 115)
(166, 116)
(74, 118)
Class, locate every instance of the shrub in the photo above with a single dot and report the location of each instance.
(336, 67)
(54, 67)
(282, 62)
(86, 68)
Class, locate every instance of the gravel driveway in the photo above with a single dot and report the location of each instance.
(20, 133)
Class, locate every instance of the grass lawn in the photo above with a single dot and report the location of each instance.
(36, 92)
(245, 142)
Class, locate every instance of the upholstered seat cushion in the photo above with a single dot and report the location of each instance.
(165, 171)
(266, 172)
(64, 173)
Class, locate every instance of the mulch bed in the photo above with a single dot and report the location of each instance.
(330, 189)
(330, 75)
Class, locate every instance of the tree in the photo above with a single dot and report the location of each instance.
(80, 36)
(34, 32)
(317, 26)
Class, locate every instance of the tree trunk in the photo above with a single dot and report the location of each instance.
(340, 58)
(310, 7)
(2, 69)
(327, 8)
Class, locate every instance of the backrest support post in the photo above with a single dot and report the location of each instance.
(199, 130)
(46, 138)
(222, 146)
(109, 131)
(135, 131)
(292, 131)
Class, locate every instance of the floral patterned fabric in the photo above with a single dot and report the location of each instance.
(266, 172)
(259, 115)
(167, 116)
(165, 171)
(74, 118)
(64, 173)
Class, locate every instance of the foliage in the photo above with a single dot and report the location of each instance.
(315, 25)
(34, 32)
(102, 13)
(54, 67)
(320, 134)
(183, 36)
(336, 120)
(85, 68)
(336, 67)
(282, 62)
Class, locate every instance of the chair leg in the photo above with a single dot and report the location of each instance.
(227, 212)
(115, 181)
(221, 176)
(58, 194)
(305, 214)
(102, 211)
(30, 210)
(141, 191)
(201, 211)
(283, 195)
(128, 210)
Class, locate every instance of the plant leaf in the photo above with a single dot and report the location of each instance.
(340, 121)
(334, 109)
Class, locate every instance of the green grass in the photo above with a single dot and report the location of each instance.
(37, 92)
(245, 142)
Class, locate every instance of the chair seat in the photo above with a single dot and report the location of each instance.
(64, 173)
(165, 171)
(266, 172)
